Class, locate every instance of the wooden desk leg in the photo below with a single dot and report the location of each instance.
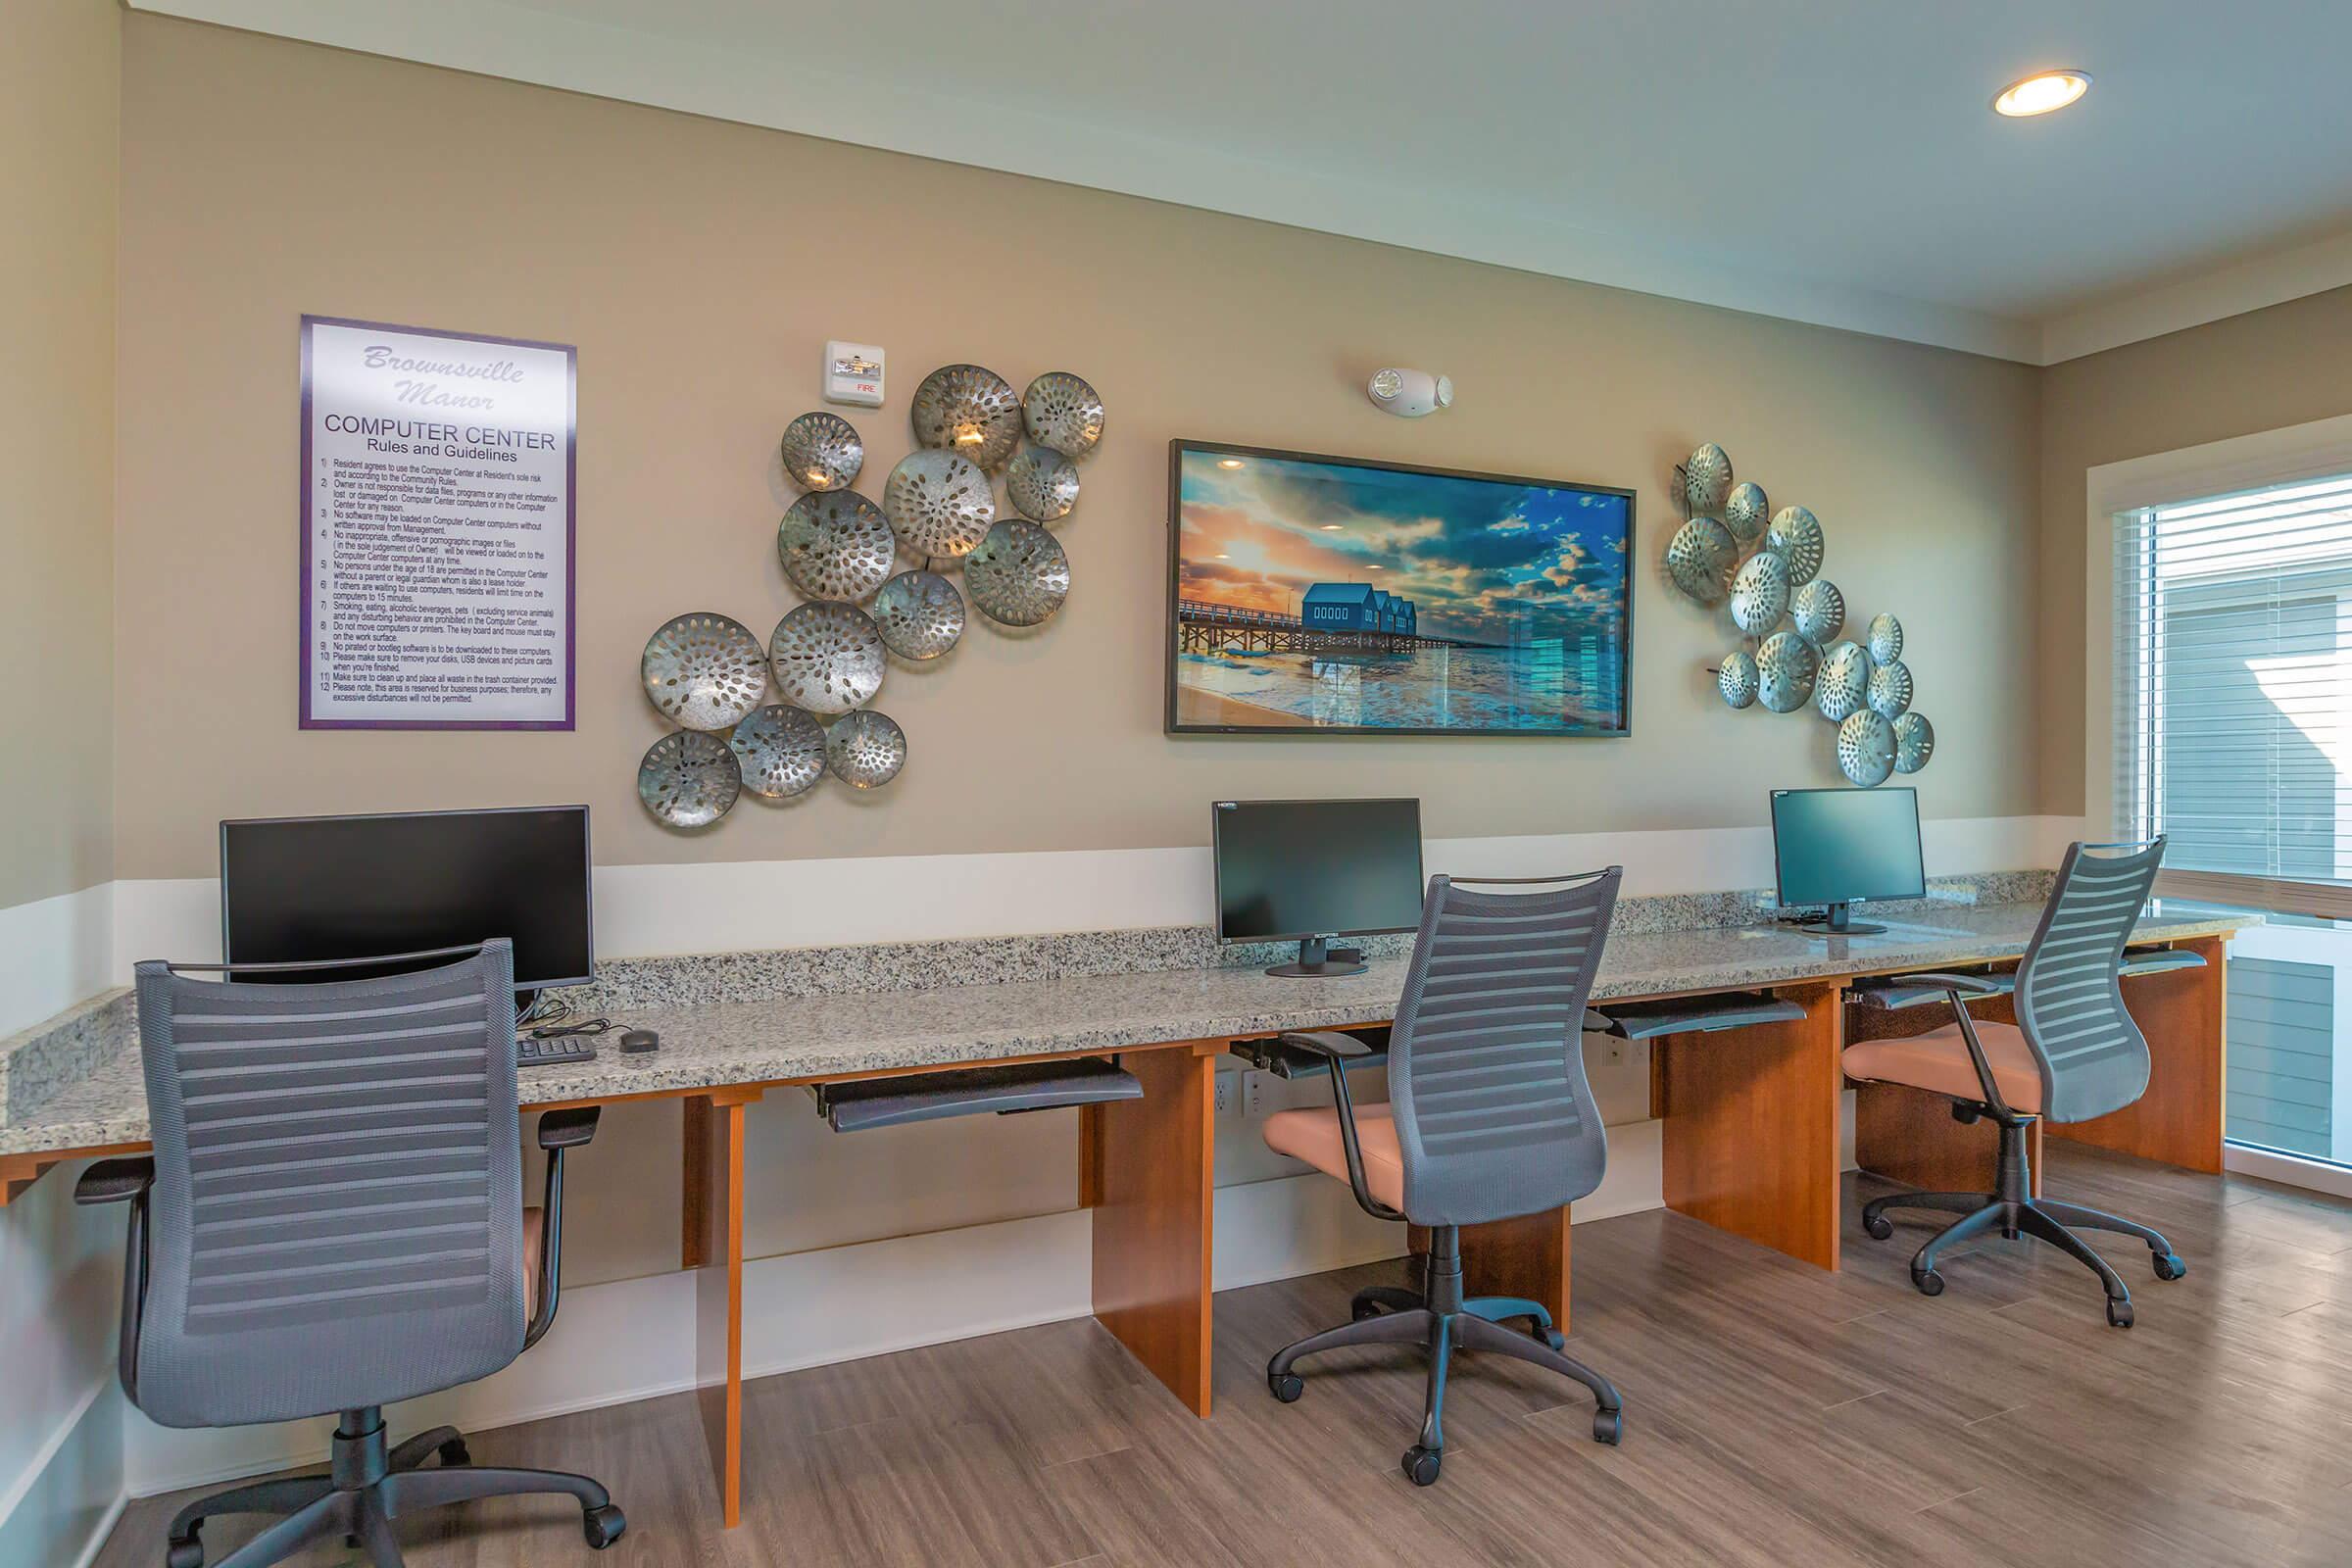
(1152, 1203)
(1750, 1130)
(2178, 1121)
(1526, 1258)
(694, 1207)
(719, 1294)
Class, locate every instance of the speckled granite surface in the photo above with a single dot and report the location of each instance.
(38, 1061)
(848, 1033)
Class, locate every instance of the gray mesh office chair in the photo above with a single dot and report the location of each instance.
(1489, 1118)
(2072, 1053)
(333, 1220)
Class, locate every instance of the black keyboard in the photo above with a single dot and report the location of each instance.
(531, 1051)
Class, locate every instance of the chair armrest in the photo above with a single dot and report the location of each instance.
(1975, 985)
(1338, 1048)
(569, 1127)
(110, 1181)
(1324, 1043)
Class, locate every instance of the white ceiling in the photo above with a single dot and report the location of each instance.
(1832, 160)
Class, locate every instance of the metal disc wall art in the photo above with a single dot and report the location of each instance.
(1019, 575)
(689, 780)
(704, 670)
(865, 750)
(968, 411)
(827, 658)
(1795, 534)
(940, 504)
(1885, 639)
(1706, 476)
(1760, 592)
(836, 545)
(1914, 742)
(822, 452)
(919, 614)
(1786, 666)
(1700, 558)
(1889, 691)
(1041, 484)
(1844, 681)
(1062, 411)
(1736, 678)
(1819, 611)
(1745, 512)
(1866, 747)
(781, 751)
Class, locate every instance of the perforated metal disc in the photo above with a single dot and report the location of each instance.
(1041, 484)
(1795, 534)
(1889, 691)
(1745, 512)
(1819, 611)
(968, 411)
(1786, 667)
(836, 545)
(1866, 747)
(1019, 575)
(940, 504)
(1914, 742)
(865, 750)
(1885, 639)
(822, 452)
(704, 670)
(1060, 411)
(1736, 678)
(689, 780)
(1760, 592)
(919, 614)
(1700, 558)
(781, 751)
(1706, 480)
(1844, 681)
(827, 658)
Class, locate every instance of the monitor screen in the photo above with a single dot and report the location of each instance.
(1837, 845)
(353, 887)
(1301, 868)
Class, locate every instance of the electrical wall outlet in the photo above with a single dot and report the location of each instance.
(1229, 1092)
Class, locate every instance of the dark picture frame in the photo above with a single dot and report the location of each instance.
(1202, 632)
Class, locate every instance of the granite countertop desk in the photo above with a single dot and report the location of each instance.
(735, 1025)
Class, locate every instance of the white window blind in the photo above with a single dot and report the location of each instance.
(2233, 668)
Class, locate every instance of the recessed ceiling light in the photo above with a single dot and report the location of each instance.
(1331, 528)
(1229, 462)
(2041, 92)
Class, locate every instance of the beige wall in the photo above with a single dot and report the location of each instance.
(699, 267)
(59, 80)
(2288, 365)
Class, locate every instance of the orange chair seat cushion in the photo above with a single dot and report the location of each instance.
(533, 1236)
(1937, 1061)
(1312, 1134)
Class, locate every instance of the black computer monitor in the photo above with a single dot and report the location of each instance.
(313, 888)
(1834, 847)
(1309, 871)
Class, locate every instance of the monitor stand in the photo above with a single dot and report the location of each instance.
(1840, 924)
(1314, 959)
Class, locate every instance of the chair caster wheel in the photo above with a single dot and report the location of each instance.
(454, 1454)
(2169, 1266)
(602, 1526)
(1286, 1386)
(1421, 1465)
(1608, 1426)
(1929, 1281)
(184, 1554)
(1877, 1227)
(1362, 1310)
(1552, 1336)
(2118, 1313)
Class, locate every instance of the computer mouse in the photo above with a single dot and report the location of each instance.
(637, 1040)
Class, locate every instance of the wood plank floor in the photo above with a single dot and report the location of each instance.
(1776, 1415)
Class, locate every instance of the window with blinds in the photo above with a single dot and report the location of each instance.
(2234, 664)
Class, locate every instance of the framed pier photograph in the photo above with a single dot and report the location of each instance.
(1340, 595)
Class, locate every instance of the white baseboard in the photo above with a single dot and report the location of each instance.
(70, 1496)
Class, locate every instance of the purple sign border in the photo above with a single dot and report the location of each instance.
(571, 532)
